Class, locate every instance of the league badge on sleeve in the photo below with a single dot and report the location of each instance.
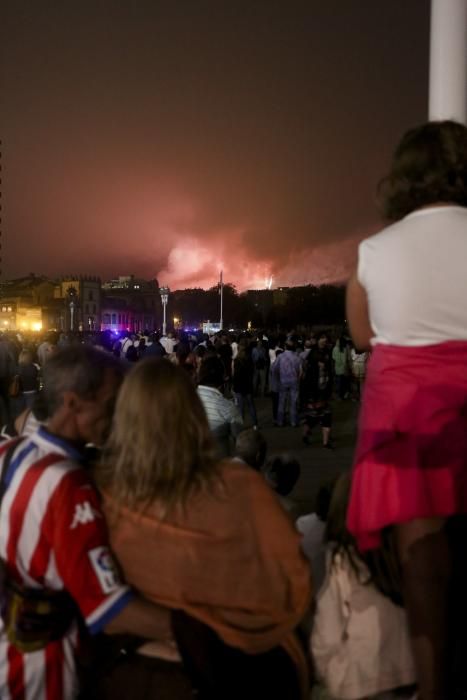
(105, 569)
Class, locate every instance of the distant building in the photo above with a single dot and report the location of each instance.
(79, 303)
(79, 298)
(128, 282)
(22, 303)
(130, 304)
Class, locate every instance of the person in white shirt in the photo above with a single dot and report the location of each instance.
(168, 343)
(126, 343)
(407, 301)
(312, 526)
(224, 419)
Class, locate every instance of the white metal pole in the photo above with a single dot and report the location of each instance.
(448, 60)
(164, 292)
(221, 324)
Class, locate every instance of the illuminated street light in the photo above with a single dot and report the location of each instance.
(164, 292)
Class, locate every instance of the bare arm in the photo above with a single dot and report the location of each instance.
(357, 314)
(142, 619)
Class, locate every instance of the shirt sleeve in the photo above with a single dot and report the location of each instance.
(83, 559)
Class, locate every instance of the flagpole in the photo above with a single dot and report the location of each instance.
(448, 60)
(221, 292)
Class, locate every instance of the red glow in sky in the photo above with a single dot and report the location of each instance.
(175, 139)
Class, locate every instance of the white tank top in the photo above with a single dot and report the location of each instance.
(415, 276)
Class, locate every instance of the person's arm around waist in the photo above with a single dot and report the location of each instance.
(143, 619)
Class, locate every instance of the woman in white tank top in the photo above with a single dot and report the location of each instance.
(408, 301)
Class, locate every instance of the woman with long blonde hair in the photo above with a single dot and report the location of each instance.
(142, 467)
(204, 537)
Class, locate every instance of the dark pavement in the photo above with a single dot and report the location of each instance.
(318, 465)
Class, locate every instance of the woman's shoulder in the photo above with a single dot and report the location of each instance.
(415, 223)
(380, 237)
(237, 489)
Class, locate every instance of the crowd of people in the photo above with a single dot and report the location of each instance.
(200, 521)
(150, 548)
(299, 372)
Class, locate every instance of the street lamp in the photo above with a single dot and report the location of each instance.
(72, 303)
(164, 292)
(72, 312)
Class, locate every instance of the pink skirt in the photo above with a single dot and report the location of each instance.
(411, 455)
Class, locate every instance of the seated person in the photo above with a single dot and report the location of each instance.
(251, 448)
(282, 473)
(360, 640)
(313, 526)
(202, 536)
(60, 583)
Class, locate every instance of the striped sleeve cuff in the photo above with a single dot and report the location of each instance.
(109, 609)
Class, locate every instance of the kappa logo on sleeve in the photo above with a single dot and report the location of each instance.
(105, 569)
(84, 513)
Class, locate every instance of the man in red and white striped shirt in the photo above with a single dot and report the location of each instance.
(53, 534)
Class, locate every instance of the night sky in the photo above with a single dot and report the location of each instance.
(171, 138)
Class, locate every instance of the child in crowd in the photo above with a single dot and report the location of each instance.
(360, 642)
(282, 473)
(251, 447)
(312, 526)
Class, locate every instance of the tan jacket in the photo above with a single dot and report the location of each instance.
(231, 559)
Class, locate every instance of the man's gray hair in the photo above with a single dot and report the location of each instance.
(78, 368)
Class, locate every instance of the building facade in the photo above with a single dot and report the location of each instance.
(79, 303)
(130, 304)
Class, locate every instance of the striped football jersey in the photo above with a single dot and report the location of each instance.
(53, 535)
